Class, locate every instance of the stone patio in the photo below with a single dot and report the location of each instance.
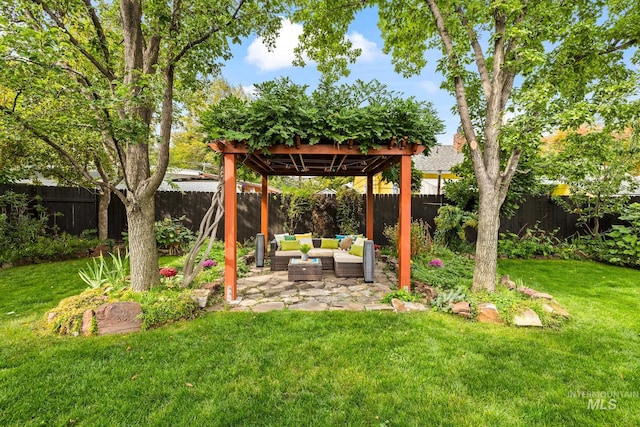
(265, 290)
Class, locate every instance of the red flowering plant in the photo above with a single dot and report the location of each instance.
(169, 277)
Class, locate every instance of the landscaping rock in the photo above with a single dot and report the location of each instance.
(507, 282)
(201, 296)
(488, 313)
(527, 318)
(429, 292)
(398, 305)
(268, 306)
(461, 309)
(118, 318)
(414, 306)
(533, 293)
(555, 308)
(87, 317)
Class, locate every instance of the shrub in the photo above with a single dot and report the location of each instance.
(348, 210)
(445, 300)
(420, 237)
(173, 235)
(533, 242)
(24, 233)
(622, 244)
(161, 306)
(451, 226)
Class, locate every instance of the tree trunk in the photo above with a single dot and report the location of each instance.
(104, 199)
(486, 262)
(143, 253)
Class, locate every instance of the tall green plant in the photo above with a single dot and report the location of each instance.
(452, 224)
(349, 210)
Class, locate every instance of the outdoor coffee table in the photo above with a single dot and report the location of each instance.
(305, 270)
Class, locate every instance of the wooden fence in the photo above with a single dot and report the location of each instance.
(79, 212)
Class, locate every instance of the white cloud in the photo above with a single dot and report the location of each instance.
(370, 51)
(282, 55)
(430, 86)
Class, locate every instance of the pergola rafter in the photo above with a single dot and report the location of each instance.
(321, 159)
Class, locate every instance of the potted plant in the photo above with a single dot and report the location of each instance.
(305, 248)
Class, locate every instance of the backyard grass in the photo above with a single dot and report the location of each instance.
(329, 368)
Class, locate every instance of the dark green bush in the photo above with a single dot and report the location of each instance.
(621, 245)
(173, 235)
(451, 227)
(534, 241)
(24, 233)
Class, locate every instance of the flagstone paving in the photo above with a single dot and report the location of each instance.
(265, 290)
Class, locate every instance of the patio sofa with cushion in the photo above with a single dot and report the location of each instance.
(341, 256)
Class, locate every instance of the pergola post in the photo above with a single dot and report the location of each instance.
(264, 210)
(230, 228)
(369, 207)
(404, 246)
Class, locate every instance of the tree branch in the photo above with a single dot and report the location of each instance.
(100, 33)
(461, 97)
(507, 175)
(208, 34)
(485, 79)
(45, 138)
(104, 71)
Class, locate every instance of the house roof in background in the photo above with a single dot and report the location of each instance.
(441, 158)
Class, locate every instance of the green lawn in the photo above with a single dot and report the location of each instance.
(329, 368)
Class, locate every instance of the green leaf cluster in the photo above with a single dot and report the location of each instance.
(367, 114)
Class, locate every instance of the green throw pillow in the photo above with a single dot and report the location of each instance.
(289, 237)
(357, 250)
(289, 245)
(329, 243)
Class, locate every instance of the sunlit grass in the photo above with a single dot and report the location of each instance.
(327, 368)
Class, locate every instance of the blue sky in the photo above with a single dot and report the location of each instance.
(252, 63)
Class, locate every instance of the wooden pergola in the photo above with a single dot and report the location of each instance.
(322, 159)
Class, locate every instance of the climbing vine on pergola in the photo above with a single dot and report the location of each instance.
(350, 130)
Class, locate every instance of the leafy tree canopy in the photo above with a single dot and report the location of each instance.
(367, 113)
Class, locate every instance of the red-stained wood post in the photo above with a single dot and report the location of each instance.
(404, 249)
(230, 228)
(264, 210)
(369, 219)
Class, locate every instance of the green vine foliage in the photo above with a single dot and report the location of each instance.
(366, 113)
(300, 203)
(451, 224)
(349, 210)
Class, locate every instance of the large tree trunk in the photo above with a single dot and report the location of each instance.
(143, 253)
(104, 199)
(486, 262)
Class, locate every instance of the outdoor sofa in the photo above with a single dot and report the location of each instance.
(339, 260)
